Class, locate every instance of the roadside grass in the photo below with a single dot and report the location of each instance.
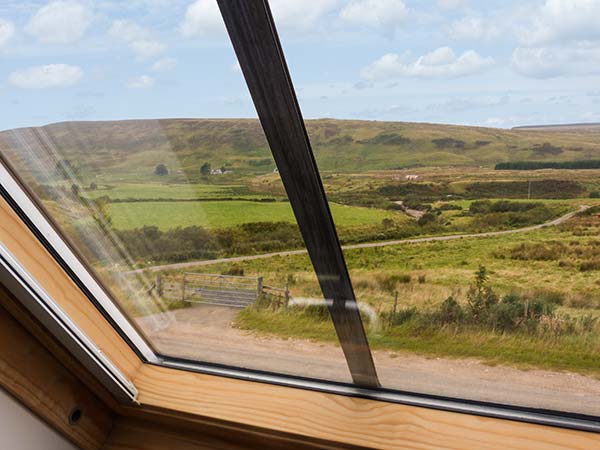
(223, 214)
(576, 353)
(285, 324)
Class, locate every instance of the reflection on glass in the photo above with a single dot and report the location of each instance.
(473, 245)
(169, 213)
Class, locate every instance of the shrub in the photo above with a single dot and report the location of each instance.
(520, 189)
(505, 315)
(387, 139)
(449, 207)
(389, 282)
(448, 143)
(205, 169)
(426, 219)
(318, 312)
(422, 279)
(480, 207)
(480, 296)
(234, 270)
(449, 311)
(547, 149)
(161, 170)
(402, 316)
(588, 266)
(538, 251)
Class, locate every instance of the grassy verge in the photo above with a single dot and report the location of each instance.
(575, 353)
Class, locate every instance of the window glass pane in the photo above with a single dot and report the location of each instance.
(412, 108)
(135, 132)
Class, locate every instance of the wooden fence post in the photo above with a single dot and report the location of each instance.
(159, 286)
(259, 286)
(183, 288)
(287, 295)
(395, 306)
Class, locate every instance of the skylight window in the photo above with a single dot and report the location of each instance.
(439, 259)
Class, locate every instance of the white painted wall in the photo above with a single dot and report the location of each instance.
(21, 430)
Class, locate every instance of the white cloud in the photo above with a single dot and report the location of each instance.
(548, 62)
(60, 22)
(137, 38)
(164, 64)
(472, 28)
(299, 14)
(202, 18)
(386, 14)
(451, 4)
(142, 82)
(7, 31)
(561, 21)
(559, 38)
(50, 76)
(441, 62)
(461, 104)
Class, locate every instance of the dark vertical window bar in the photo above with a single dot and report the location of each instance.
(252, 31)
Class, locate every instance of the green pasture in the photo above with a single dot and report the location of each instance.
(222, 214)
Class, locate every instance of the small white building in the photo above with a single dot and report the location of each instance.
(220, 172)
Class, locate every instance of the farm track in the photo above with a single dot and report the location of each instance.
(208, 333)
(451, 237)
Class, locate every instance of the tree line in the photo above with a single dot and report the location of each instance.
(537, 165)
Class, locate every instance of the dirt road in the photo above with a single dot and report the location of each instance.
(205, 333)
(450, 237)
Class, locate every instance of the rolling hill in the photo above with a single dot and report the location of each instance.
(132, 148)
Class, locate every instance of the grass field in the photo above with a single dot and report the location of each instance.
(178, 191)
(220, 214)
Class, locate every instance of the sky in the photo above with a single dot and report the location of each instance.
(493, 63)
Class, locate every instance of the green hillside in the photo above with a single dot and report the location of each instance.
(130, 149)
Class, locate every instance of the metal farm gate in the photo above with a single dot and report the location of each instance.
(221, 290)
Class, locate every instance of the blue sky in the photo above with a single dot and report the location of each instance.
(493, 63)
